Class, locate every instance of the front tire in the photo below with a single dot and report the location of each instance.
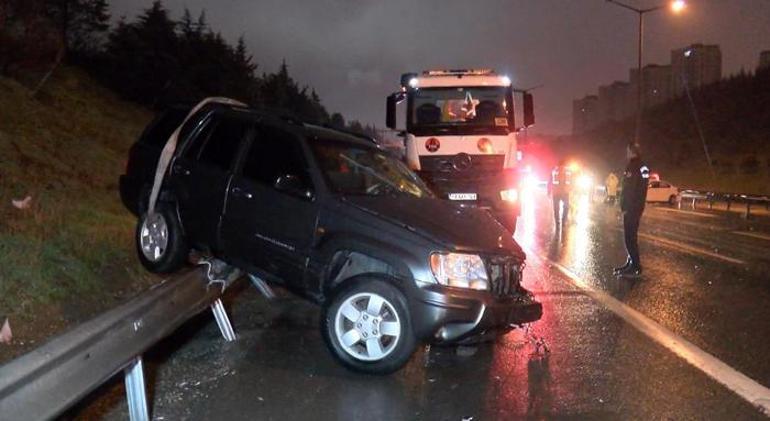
(160, 243)
(367, 327)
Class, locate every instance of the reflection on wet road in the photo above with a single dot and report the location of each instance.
(580, 361)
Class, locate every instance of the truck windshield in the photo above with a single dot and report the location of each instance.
(350, 169)
(483, 108)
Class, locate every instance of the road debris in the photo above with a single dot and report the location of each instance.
(22, 203)
(6, 336)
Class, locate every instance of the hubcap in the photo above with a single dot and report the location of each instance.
(367, 326)
(153, 237)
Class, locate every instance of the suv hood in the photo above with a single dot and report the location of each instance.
(456, 227)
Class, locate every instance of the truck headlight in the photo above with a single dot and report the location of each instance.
(459, 270)
(510, 195)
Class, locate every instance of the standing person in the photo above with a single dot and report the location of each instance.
(559, 186)
(612, 187)
(632, 202)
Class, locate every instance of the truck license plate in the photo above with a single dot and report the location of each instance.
(462, 196)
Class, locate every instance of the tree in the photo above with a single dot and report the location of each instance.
(82, 23)
(337, 121)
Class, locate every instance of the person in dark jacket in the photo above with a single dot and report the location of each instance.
(632, 200)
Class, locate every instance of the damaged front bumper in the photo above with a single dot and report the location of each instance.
(452, 315)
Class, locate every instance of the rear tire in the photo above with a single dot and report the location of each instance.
(367, 327)
(672, 200)
(160, 243)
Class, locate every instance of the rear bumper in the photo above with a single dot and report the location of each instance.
(451, 315)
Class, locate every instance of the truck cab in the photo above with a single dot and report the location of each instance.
(460, 136)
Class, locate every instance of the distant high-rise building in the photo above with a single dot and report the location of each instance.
(696, 65)
(616, 101)
(585, 114)
(657, 87)
(764, 60)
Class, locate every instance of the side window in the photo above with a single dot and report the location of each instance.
(274, 153)
(196, 143)
(664, 185)
(222, 145)
(655, 185)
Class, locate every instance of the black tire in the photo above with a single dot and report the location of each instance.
(672, 200)
(174, 255)
(403, 347)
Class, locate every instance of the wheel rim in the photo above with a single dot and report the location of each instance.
(367, 326)
(153, 237)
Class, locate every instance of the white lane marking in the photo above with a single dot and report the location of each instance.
(753, 234)
(739, 383)
(707, 215)
(688, 248)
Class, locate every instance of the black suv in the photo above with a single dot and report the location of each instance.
(337, 220)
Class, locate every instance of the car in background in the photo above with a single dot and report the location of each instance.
(663, 192)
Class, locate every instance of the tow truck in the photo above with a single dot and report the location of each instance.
(460, 136)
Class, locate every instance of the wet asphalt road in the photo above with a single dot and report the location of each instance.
(706, 279)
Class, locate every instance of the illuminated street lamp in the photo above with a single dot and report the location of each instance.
(676, 6)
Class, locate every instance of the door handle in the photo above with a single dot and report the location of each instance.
(239, 192)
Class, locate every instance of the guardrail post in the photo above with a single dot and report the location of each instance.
(135, 391)
(220, 315)
(729, 202)
(693, 203)
(711, 203)
(748, 209)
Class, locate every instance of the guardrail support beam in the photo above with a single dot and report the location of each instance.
(222, 320)
(135, 391)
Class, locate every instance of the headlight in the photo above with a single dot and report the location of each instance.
(459, 270)
(585, 182)
(510, 195)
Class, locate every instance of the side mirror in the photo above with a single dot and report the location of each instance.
(293, 185)
(529, 109)
(390, 109)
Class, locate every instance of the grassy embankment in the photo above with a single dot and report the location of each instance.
(71, 253)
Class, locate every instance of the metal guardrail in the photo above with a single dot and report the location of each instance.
(693, 196)
(50, 379)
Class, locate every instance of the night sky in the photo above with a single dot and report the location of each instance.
(353, 51)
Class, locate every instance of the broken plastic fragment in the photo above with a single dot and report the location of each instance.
(5, 333)
(22, 203)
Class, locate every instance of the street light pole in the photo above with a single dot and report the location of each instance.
(676, 6)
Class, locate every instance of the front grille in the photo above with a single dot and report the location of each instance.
(480, 164)
(504, 276)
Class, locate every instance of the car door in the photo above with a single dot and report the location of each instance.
(266, 226)
(201, 174)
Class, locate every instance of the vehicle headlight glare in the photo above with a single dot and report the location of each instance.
(459, 270)
(510, 195)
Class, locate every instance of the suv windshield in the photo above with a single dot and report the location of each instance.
(461, 107)
(350, 169)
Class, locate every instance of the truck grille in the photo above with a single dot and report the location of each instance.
(479, 164)
(504, 276)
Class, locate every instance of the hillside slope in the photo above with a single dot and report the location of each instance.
(70, 253)
(735, 118)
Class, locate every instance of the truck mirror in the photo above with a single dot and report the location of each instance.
(529, 109)
(390, 112)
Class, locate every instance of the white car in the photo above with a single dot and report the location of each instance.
(661, 191)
